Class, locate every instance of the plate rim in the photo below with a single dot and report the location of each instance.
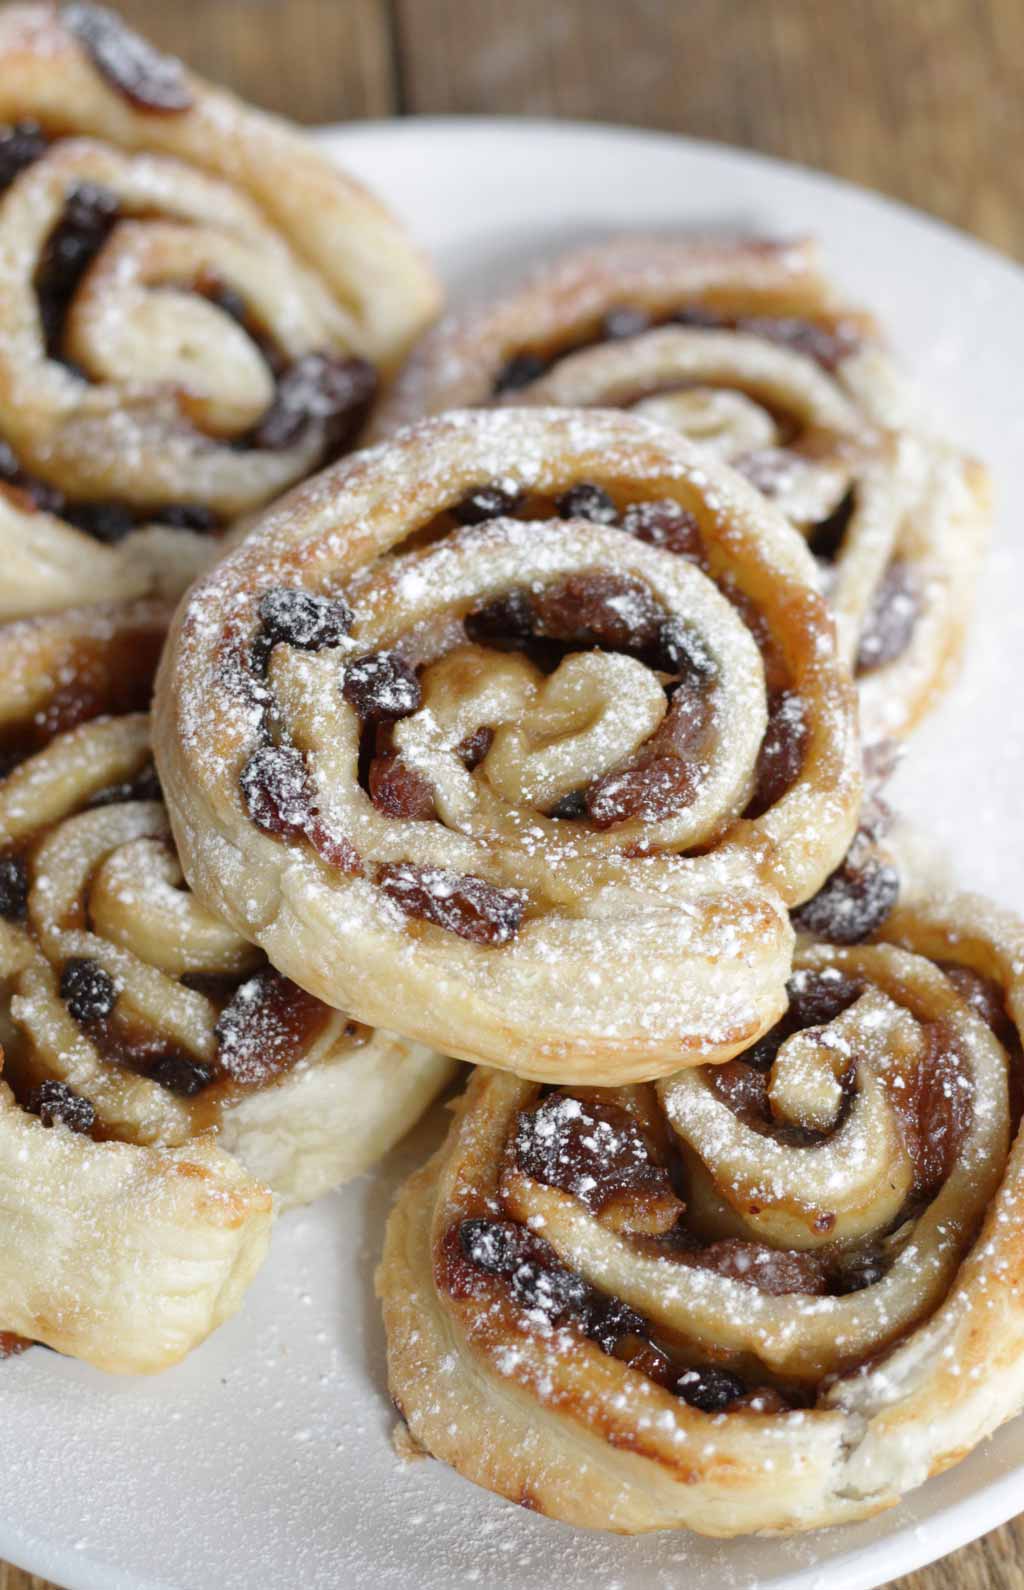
(990, 1504)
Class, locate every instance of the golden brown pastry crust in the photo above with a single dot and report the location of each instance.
(905, 1366)
(231, 269)
(325, 898)
(771, 371)
(135, 1229)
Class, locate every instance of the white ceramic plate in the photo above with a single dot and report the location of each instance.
(266, 1458)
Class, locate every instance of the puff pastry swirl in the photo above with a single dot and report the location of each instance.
(195, 305)
(745, 348)
(770, 1295)
(160, 1082)
(464, 747)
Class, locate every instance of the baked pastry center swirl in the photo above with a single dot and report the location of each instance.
(523, 739)
(631, 1304)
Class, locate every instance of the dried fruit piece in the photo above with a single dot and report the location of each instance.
(302, 619)
(276, 790)
(587, 501)
(889, 625)
(595, 608)
(398, 790)
(711, 1390)
(264, 1029)
(320, 387)
(13, 888)
(519, 371)
(20, 147)
(486, 502)
(382, 687)
(57, 1104)
(88, 991)
(146, 77)
(663, 522)
(852, 903)
(461, 903)
(181, 1075)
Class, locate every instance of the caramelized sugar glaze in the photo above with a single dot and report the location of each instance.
(191, 319)
(473, 731)
(746, 349)
(773, 1293)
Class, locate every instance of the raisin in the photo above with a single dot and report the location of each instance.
(815, 999)
(851, 904)
(572, 807)
(303, 620)
(699, 317)
(608, 1320)
(381, 686)
(20, 147)
(265, 1028)
(624, 321)
(598, 609)
(318, 387)
(472, 750)
(826, 346)
(827, 537)
(507, 617)
(461, 903)
(13, 888)
(587, 501)
(88, 991)
(486, 502)
(57, 1104)
(681, 649)
(187, 516)
(537, 1279)
(782, 752)
(89, 214)
(519, 371)
(398, 790)
(890, 621)
(145, 787)
(591, 1149)
(775, 1271)
(658, 788)
(180, 1075)
(665, 523)
(146, 77)
(109, 522)
(711, 1390)
(857, 1272)
(276, 790)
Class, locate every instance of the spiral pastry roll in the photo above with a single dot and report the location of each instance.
(747, 350)
(463, 754)
(195, 305)
(160, 1082)
(768, 1295)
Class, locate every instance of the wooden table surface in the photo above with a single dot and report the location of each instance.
(918, 98)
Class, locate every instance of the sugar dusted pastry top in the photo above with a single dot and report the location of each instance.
(768, 1295)
(196, 306)
(454, 729)
(745, 347)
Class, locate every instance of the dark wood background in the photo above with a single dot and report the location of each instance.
(923, 99)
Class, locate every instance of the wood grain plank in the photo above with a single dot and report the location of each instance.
(314, 60)
(920, 98)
